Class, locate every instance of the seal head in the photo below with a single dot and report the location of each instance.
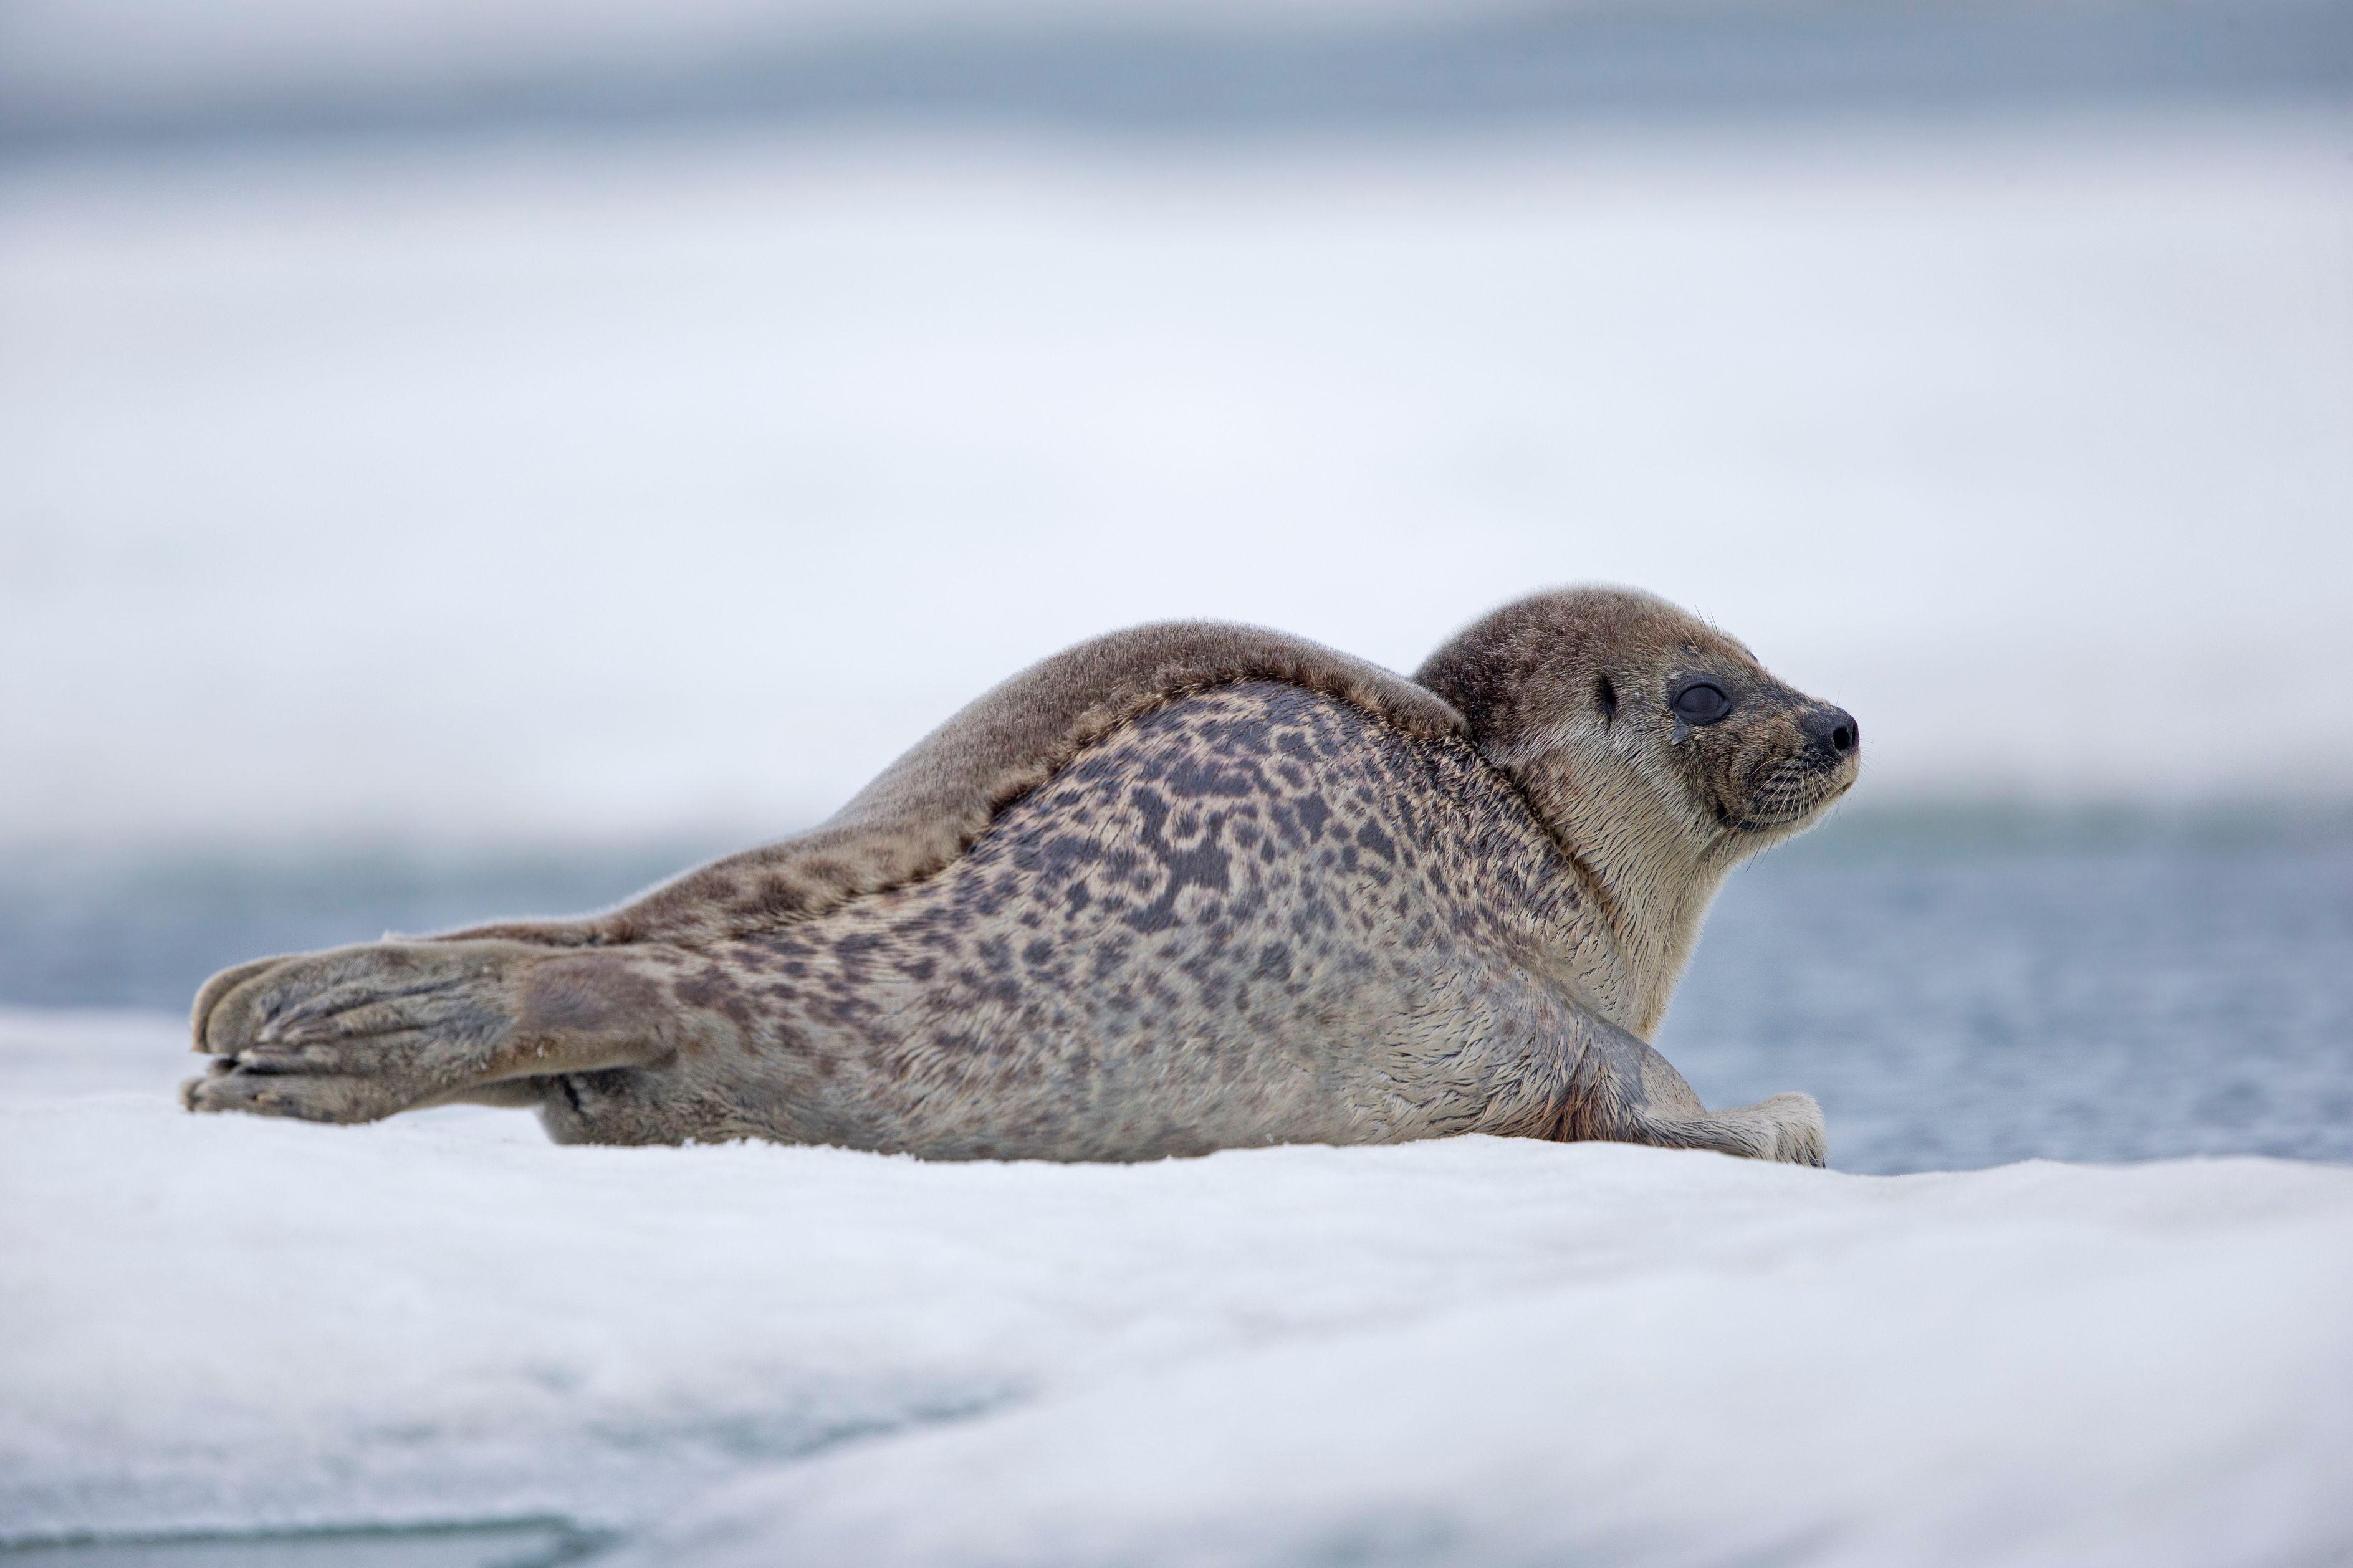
(1606, 688)
(1657, 750)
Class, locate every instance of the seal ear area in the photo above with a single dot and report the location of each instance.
(1565, 658)
(1535, 665)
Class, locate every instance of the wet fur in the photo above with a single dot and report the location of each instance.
(1180, 889)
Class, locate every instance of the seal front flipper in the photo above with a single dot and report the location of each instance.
(1623, 1091)
(1787, 1128)
(357, 1033)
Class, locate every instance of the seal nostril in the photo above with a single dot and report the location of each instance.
(1832, 731)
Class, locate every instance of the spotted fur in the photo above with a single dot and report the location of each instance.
(1180, 889)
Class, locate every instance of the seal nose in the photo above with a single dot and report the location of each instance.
(1832, 729)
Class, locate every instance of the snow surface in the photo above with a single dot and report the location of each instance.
(622, 487)
(1467, 1351)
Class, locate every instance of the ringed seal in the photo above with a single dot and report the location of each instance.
(1183, 888)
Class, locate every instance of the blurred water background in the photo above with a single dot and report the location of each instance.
(470, 459)
(1959, 986)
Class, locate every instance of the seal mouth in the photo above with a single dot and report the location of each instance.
(1788, 795)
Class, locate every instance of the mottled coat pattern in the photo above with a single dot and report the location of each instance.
(1209, 910)
(1144, 956)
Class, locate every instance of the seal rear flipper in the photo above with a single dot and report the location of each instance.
(358, 1034)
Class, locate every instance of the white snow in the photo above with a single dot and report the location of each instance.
(616, 487)
(1471, 1351)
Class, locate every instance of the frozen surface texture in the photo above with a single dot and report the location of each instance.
(1463, 1352)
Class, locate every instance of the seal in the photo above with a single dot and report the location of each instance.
(1179, 888)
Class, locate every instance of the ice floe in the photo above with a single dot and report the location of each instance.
(1467, 1351)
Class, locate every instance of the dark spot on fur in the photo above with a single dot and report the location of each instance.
(714, 988)
(1200, 865)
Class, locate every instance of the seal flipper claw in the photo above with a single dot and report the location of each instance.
(209, 995)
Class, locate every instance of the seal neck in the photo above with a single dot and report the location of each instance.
(1639, 885)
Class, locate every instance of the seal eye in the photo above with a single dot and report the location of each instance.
(1702, 702)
